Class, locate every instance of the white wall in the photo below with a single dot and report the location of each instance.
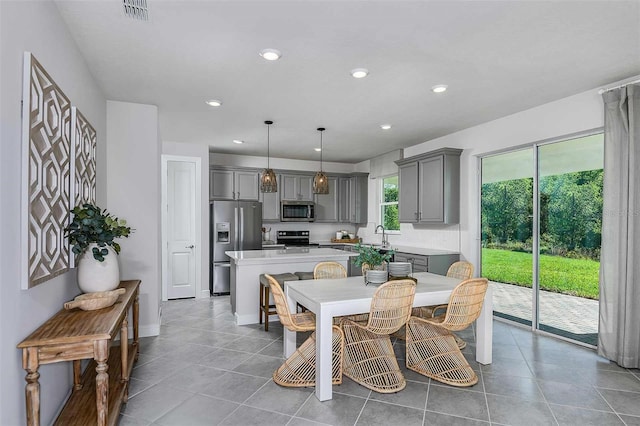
(570, 115)
(278, 163)
(202, 152)
(133, 193)
(37, 27)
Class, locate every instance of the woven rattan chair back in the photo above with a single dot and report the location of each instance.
(391, 306)
(305, 321)
(465, 304)
(329, 270)
(462, 270)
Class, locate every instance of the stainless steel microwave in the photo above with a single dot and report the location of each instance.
(297, 211)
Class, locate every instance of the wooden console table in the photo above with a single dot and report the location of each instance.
(76, 335)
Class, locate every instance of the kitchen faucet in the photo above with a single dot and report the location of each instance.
(384, 236)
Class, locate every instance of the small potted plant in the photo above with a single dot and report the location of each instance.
(91, 234)
(373, 263)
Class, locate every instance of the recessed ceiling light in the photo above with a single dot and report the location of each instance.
(238, 141)
(270, 54)
(214, 103)
(385, 126)
(359, 72)
(439, 88)
(317, 149)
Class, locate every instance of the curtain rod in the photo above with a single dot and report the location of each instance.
(601, 91)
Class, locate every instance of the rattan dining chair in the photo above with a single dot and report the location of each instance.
(299, 370)
(431, 348)
(463, 271)
(368, 354)
(329, 269)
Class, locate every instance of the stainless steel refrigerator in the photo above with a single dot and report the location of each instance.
(234, 225)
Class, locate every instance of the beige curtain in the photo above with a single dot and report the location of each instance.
(619, 327)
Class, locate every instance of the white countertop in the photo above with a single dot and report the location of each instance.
(403, 249)
(291, 255)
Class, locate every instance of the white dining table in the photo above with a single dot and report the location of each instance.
(329, 298)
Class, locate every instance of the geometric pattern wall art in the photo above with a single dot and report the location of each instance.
(83, 154)
(46, 179)
(83, 164)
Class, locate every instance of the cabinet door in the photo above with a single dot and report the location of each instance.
(305, 188)
(327, 204)
(289, 189)
(246, 185)
(221, 185)
(408, 196)
(359, 199)
(271, 204)
(418, 262)
(431, 187)
(344, 206)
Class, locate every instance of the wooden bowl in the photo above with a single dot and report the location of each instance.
(94, 301)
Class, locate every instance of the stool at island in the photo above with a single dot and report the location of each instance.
(267, 308)
(74, 335)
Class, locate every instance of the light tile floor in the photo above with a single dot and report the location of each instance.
(205, 370)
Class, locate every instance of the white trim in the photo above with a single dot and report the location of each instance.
(200, 292)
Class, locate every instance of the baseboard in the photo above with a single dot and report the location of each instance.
(149, 330)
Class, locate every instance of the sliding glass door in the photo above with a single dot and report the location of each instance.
(541, 220)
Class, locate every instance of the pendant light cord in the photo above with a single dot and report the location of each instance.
(268, 145)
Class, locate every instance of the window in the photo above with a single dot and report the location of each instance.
(389, 203)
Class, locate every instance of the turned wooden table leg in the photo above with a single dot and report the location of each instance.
(136, 315)
(101, 355)
(77, 374)
(30, 363)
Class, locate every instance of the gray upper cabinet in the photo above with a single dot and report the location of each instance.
(353, 191)
(233, 184)
(344, 204)
(430, 187)
(297, 187)
(359, 198)
(271, 204)
(327, 204)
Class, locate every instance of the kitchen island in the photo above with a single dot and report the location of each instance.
(246, 267)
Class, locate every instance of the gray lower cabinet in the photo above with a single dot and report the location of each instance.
(233, 184)
(327, 204)
(437, 264)
(296, 187)
(430, 187)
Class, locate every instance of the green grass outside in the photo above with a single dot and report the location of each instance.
(577, 277)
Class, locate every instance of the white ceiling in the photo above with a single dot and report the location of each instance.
(498, 58)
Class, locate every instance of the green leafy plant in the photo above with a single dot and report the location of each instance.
(371, 256)
(94, 225)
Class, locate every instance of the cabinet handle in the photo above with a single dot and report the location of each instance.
(420, 217)
(190, 247)
(238, 195)
(234, 195)
(416, 215)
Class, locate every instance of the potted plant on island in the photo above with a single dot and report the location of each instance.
(91, 234)
(373, 263)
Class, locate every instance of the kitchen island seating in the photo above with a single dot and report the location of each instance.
(431, 348)
(299, 369)
(266, 308)
(368, 356)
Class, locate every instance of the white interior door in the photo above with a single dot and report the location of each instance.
(181, 229)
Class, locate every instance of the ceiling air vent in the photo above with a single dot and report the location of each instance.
(136, 9)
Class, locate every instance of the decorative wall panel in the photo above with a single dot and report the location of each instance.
(46, 180)
(83, 153)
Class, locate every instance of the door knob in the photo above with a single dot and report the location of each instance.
(190, 247)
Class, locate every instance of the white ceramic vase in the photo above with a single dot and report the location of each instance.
(98, 276)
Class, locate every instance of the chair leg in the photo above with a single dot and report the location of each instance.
(266, 308)
(369, 359)
(261, 307)
(299, 370)
(433, 352)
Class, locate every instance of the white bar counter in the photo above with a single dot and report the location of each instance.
(246, 267)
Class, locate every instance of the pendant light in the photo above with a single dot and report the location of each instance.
(268, 181)
(320, 181)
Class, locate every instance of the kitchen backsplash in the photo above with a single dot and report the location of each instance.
(441, 237)
(317, 231)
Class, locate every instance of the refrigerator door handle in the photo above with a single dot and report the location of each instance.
(222, 265)
(241, 225)
(235, 229)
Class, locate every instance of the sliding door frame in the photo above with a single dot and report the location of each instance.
(535, 287)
